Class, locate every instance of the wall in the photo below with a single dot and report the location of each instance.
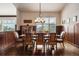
(71, 29)
(70, 10)
(18, 19)
(7, 9)
(32, 15)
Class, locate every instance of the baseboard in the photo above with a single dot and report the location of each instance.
(73, 44)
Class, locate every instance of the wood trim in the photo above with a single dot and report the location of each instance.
(8, 16)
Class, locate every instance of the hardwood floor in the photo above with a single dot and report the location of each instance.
(69, 50)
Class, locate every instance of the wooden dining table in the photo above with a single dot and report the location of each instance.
(40, 35)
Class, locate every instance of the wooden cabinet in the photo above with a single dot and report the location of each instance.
(7, 40)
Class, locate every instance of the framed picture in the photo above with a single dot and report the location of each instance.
(63, 21)
(27, 21)
(74, 19)
(68, 21)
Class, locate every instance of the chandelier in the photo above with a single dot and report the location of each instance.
(39, 19)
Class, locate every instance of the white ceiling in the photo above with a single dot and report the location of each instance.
(45, 7)
(7, 9)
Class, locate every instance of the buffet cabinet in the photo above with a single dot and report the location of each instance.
(7, 40)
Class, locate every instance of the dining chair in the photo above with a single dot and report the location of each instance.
(52, 42)
(40, 41)
(28, 41)
(60, 38)
(19, 39)
(46, 37)
(34, 37)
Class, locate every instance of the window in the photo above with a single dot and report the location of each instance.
(49, 25)
(7, 23)
(38, 27)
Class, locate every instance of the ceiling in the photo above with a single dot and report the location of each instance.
(45, 7)
(7, 9)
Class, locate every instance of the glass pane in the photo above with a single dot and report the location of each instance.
(46, 27)
(38, 27)
(14, 21)
(4, 21)
(52, 28)
(8, 27)
(8, 21)
(46, 20)
(53, 20)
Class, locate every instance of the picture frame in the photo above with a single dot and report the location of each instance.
(27, 21)
(63, 21)
(74, 19)
(68, 21)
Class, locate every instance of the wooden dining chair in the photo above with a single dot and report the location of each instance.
(18, 39)
(46, 37)
(40, 41)
(52, 41)
(60, 38)
(28, 41)
(34, 37)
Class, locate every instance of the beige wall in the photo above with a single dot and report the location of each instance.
(70, 10)
(18, 19)
(31, 16)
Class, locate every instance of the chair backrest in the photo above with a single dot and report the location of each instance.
(46, 36)
(28, 38)
(62, 35)
(39, 40)
(52, 37)
(34, 36)
(16, 35)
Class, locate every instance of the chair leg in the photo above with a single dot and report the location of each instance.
(23, 44)
(24, 47)
(53, 49)
(63, 44)
(48, 46)
(43, 49)
(15, 44)
(56, 46)
(36, 47)
(53, 52)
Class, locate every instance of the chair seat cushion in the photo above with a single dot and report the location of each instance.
(51, 43)
(34, 38)
(19, 40)
(59, 39)
(29, 43)
(46, 38)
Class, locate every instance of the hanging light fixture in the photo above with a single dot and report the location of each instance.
(40, 18)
